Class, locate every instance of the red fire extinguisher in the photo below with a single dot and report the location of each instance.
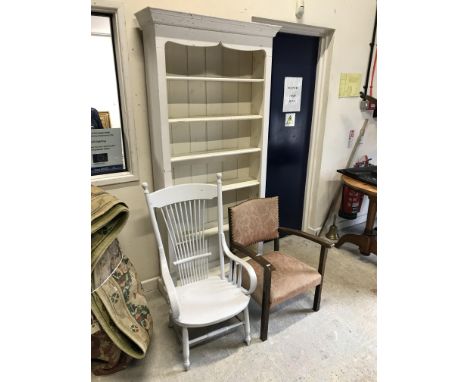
(351, 200)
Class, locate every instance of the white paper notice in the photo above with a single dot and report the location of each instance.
(292, 94)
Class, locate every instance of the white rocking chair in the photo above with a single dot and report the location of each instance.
(199, 300)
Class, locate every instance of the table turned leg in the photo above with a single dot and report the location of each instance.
(367, 241)
(371, 212)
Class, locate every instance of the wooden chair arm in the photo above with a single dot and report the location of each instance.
(316, 239)
(259, 259)
(322, 260)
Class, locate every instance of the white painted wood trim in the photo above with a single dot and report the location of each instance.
(214, 119)
(266, 121)
(150, 16)
(215, 79)
(122, 66)
(295, 28)
(317, 132)
(214, 154)
(116, 178)
(163, 111)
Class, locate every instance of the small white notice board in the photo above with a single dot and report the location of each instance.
(106, 151)
(292, 94)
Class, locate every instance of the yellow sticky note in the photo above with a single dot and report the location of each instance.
(350, 84)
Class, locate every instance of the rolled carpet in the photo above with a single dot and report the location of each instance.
(121, 321)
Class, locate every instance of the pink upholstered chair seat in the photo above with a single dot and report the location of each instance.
(290, 278)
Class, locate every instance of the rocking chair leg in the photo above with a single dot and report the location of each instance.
(247, 326)
(185, 348)
(317, 297)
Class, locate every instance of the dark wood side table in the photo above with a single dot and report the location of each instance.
(367, 241)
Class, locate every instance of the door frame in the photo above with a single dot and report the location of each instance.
(319, 111)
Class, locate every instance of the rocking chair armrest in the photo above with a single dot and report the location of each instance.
(308, 236)
(243, 263)
(247, 251)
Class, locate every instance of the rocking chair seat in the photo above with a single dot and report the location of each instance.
(290, 278)
(209, 301)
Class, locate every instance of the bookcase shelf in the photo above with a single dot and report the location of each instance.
(214, 154)
(237, 184)
(216, 118)
(213, 79)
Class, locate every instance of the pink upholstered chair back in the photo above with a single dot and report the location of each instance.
(254, 220)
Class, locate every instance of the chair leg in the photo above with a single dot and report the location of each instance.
(321, 270)
(185, 348)
(317, 297)
(265, 303)
(264, 324)
(247, 326)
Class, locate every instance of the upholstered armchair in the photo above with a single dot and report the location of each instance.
(280, 277)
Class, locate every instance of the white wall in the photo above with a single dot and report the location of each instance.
(353, 24)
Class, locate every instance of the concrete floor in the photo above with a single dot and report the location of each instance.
(338, 343)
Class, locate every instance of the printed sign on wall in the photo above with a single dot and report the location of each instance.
(106, 151)
(290, 119)
(292, 94)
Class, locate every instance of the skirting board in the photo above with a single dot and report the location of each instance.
(154, 284)
(151, 284)
(342, 223)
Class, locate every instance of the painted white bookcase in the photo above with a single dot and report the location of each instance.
(208, 89)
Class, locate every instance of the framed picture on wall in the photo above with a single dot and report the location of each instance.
(105, 119)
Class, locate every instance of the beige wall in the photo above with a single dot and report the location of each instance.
(353, 22)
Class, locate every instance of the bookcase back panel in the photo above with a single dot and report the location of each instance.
(235, 169)
(230, 199)
(198, 137)
(212, 99)
(213, 61)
